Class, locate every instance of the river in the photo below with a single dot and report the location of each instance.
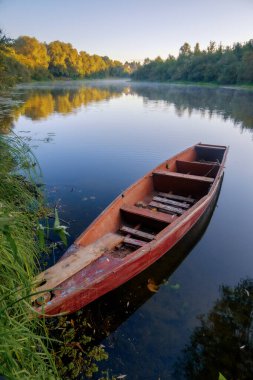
(93, 139)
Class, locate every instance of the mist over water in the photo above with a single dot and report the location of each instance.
(92, 140)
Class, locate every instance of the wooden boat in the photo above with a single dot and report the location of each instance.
(134, 231)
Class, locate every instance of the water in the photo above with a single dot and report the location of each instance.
(92, 140)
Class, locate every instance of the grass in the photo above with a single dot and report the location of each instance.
(24, 344)
(31, 348)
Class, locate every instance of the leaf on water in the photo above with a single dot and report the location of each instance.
(121, 377)
(151, 285)
(221, 377)
(175, 286)
(242, 347)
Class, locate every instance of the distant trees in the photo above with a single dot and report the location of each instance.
(27, 58)
(31, 52)
(11, 70)
(216, 64)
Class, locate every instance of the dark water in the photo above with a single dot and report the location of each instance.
(94, 139)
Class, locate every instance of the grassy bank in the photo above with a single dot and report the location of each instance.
(243, 86)
(23, 340)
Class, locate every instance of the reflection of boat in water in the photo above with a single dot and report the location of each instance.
(136, 230)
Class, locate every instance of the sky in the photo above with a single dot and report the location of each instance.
(129, 29)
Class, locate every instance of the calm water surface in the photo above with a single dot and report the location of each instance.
(92, 140)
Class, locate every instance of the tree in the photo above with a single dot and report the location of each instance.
(31, 52)
(196, 50)
(212, 47)
(64, 60)
(11, 71)
(185, 50)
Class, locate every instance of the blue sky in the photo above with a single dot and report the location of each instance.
(129, 29)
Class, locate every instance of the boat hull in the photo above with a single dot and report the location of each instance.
(86, 286)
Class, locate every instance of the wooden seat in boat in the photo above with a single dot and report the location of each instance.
(166, 208)
(206, 169)
(149, 214)
(138, 233)
(185, 176)
(177, 197)
(171, 202)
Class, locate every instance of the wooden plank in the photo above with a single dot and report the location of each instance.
(205, 169)
(199, 163)
(177, 197)
(172, 203)
(79, 258)
(166, 208)
(206, 146)
(137, 243)
(186, 176)
(146, 213)
(138, 233)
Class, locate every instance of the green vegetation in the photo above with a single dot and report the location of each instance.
(222, 346)
(24, 342)
(216, 64)
(26, 58)
(74, 351)
(27, 350)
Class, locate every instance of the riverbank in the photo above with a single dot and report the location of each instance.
(30, 347)
(24, 344)
(248, 87)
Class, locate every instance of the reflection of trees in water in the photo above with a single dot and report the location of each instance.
(224, 341)
(43, 103)
(37, 104)
(228, 103)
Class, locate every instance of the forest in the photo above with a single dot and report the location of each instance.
(26, 58)
(216, 64)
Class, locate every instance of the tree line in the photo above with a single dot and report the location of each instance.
(26, 58)
(216, 64)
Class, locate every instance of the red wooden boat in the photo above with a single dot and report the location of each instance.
(134, 231)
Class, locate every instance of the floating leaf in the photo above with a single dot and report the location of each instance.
(175, 286)
(221, 377)
(152, 286)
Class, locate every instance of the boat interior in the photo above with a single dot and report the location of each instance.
(177, 185)
(137, 216)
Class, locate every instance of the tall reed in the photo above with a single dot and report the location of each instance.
(24, 342)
